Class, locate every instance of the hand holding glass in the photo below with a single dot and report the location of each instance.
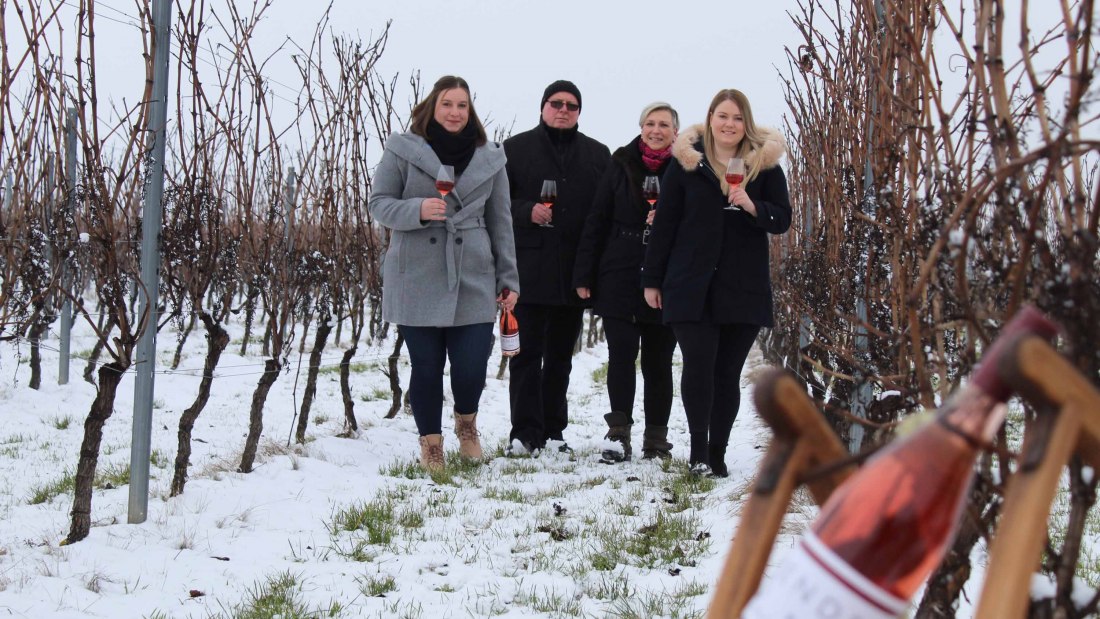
(735, 174)
(548, 195)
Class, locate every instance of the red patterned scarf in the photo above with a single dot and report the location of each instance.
(653, 158)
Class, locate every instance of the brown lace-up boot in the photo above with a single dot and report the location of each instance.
(431, 452)
(469, 445)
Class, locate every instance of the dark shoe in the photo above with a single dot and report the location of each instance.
(618, 431)
(717, 460)
(655, 443)
(719, 470)
(565, 448)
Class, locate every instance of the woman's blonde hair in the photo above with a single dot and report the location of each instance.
(657, 106)
(752, 140)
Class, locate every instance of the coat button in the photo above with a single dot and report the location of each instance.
(432, 240)
(458, 241)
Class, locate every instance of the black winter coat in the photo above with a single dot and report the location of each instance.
(712, 264)
(545, 256)
(611, 251)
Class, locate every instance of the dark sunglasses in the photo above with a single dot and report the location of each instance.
(572, 107)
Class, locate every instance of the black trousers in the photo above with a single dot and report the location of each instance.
(468, 348)
(539, 375)
(710, 384)
(656, 342)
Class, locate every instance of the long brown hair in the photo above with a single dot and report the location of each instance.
(749, 143)
(424, 111)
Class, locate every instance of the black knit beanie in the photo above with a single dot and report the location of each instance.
(560, 86)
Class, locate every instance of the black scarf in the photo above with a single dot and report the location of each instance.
(455, 149)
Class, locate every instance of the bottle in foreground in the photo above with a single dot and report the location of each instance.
(509, 331)
(882, 532)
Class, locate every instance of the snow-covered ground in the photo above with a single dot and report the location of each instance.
(553, 536)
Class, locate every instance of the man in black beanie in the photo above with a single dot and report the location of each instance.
(549, 312)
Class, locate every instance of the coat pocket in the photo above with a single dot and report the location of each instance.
(397, 248)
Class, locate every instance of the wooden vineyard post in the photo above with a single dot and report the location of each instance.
(802, 441)
(1068, 423)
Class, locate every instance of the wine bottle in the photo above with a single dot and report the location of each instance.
(509, 331)
(883, 531)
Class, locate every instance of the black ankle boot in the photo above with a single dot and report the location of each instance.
(655, 443)
(618, 431)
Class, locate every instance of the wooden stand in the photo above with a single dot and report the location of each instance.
(1068, 424)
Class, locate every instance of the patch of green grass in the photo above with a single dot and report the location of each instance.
(667, 539)
(376, 586)
(599, 375)
(113, 476)
(514, 467)
(658, 604)
(357, 550)
(410, 519)
(158, 459)
(319, 419)
(455, 469)
(376, 394)
(548, 600)
(62, 423)
(609, 588)
(374, 518)
(280, 595)
(45, 492)
(686, 490)
(407, 469)
(510, 494)
(354, 367)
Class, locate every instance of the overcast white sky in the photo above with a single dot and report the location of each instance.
(622, 55)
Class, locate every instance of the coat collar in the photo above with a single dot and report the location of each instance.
(688, 148)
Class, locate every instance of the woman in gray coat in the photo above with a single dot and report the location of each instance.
(450, 260)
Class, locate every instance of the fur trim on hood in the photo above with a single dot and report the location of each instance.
(690, 157)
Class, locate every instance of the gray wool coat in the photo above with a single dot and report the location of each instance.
(443, 273)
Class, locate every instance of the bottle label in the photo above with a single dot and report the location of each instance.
(814, 583)
(509, 344)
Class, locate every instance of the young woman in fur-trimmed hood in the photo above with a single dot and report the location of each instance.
(706, 267)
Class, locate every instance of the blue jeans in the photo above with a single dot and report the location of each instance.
(468, 348)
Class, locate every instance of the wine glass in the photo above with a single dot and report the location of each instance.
(735, 174)
(445, 179)
(651, 190)
(547, 196)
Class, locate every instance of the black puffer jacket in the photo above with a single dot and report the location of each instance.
(545, 256)
(712, 264)
(611, 249)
